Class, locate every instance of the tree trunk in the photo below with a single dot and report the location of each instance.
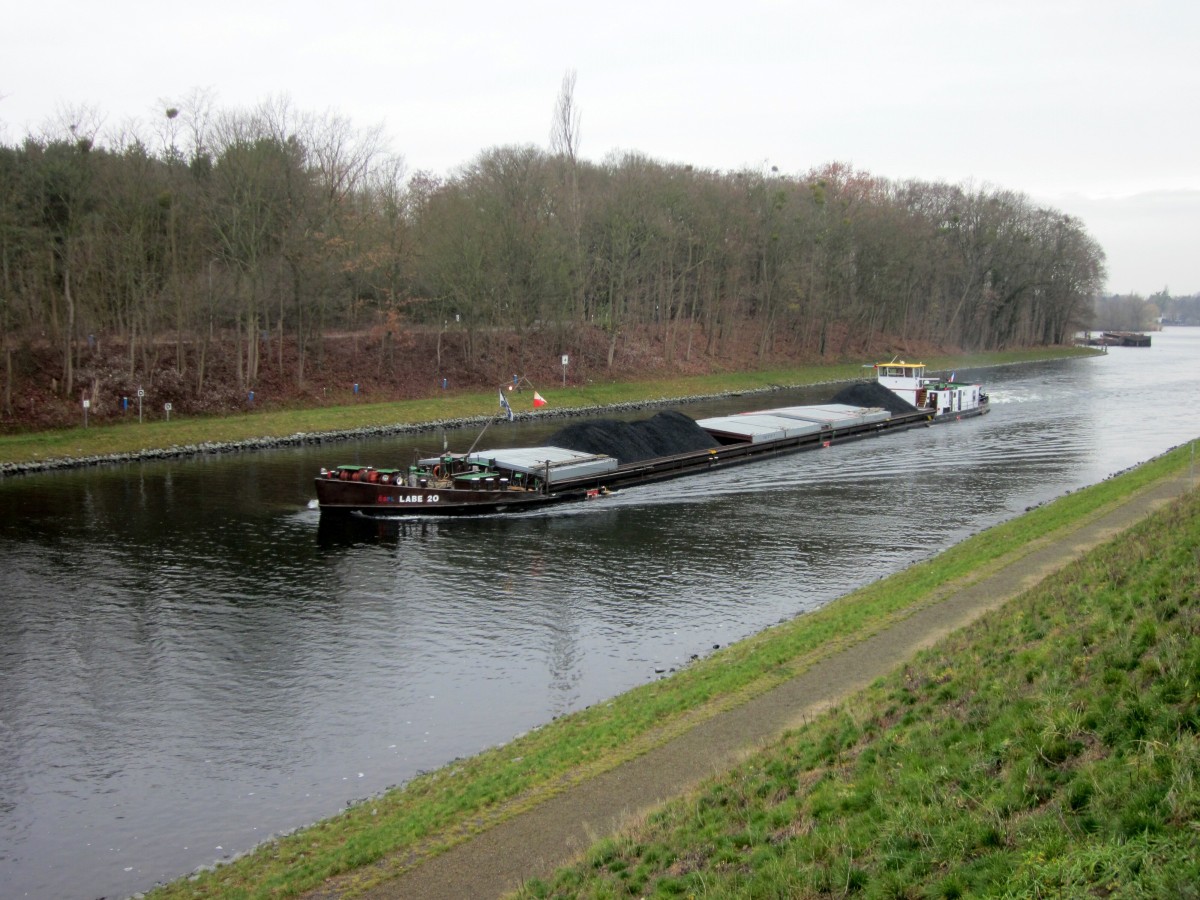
(201, 356)
(302, 325)
(237, 352)
(251, 347)
(8, 379)
(69, 333)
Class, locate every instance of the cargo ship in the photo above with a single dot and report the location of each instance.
(591, 460)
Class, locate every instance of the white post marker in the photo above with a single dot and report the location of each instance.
(141, 394)
(86, 404)
(564, 362)
(167, 407)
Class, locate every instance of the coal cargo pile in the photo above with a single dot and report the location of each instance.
(663, 434)
(872, 393)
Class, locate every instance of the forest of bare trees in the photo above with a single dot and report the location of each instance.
(230, 234)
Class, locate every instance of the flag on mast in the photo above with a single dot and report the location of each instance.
(504, 405)
(538, 400)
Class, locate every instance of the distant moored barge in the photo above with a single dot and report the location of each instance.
(499, 481)
(1120, 339)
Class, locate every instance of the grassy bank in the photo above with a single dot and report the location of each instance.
(1053, 749)
(154, 432)
(438, 809)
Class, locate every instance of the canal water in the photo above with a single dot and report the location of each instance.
(192, 662)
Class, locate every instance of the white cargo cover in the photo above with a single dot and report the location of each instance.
(564, 463)
(782, 426)
(754, 429)
(833, 414)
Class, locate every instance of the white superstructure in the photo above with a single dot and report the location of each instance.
(940, 396)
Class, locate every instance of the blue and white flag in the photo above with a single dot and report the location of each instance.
(504, 405)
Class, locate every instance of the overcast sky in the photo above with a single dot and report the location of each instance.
(1090, 106)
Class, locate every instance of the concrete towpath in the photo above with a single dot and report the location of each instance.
(536, 842)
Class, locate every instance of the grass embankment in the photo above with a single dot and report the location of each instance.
(155, 433)
(440, 808)
(1053, 749)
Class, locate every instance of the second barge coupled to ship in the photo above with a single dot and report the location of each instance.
(590, 460)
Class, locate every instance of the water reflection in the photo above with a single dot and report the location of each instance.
(192, 659)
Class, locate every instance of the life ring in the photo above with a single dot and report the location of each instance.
(437, 471)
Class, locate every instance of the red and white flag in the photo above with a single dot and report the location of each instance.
(538, 400)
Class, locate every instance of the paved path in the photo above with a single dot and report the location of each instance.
(536, 842)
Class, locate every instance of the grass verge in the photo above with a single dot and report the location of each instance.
(382, 836)
(157, 434)
(1052, 749)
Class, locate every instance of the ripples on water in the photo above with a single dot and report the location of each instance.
(192, 661)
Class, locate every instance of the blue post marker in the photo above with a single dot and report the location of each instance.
(356, 388)
(515, 383)
(445, 383)
(251, 398)
(124, 405)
